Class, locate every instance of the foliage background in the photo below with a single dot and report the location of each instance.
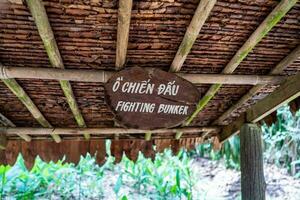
(167, 177)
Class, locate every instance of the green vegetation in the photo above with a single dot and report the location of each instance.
(167, 177)
(281, 144)
(282, 141)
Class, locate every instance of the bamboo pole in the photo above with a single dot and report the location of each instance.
(278, 69)
(100, 131)
(124, 15)
(287, 92)
(272, 19)
(103, 76)
(40, 17)
(148, 135)
(7, 123)
(13, 85)
(201, 14)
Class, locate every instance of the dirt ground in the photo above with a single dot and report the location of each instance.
(218, 183)
(215, 182)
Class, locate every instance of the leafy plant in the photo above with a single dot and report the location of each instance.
(282, 140)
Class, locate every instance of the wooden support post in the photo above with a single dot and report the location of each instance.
(201, 14)
(40, 17)
(272, 19)
(278, 69)
(253, 184)
(124, 15)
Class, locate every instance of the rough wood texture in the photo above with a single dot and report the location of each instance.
(252, 174)
(278, 69)
(124, 15)
(201, 14)
(287, 92)
(273, 18)
(40, 17)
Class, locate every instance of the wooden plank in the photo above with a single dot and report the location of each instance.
(124, 15)
(40, 17)
(98, 148)
(201, 14)
(278, 69)
(99, 131)
(12, 150)
(102, 76)
(270, 21)
(287, 92)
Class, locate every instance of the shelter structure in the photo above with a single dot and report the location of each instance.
(56, 56)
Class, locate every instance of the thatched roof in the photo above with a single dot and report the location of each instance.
(86, 36)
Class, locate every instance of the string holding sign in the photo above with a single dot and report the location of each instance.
(150, 99)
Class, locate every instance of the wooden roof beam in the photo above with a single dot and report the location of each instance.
(270, 21)
(7, 123)
(100, 131)
(102, 76)
(124, 15)
(201, 14)
(13, 85)
(287, 92)
(40, 17)
(278, 69)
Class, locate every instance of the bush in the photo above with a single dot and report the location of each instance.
(282, 141)
(167, 177)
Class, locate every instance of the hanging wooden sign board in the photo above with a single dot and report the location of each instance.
(150, 99)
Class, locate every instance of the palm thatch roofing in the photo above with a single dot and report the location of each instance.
(240, 37)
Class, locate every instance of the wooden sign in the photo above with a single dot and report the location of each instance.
(150, 99)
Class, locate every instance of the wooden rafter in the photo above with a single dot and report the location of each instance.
(201, 14)
(7, 123)
(13, 85)
(278, 69)
(102, 76)
(287, 92)
(124, 15)
(271, 20)
(40, 17)
(100, 131)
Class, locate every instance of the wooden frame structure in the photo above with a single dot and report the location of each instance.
(201, 14)
(219, 48)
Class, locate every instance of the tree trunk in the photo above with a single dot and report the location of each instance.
(252, 174)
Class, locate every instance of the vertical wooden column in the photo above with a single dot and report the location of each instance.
(252, 173)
